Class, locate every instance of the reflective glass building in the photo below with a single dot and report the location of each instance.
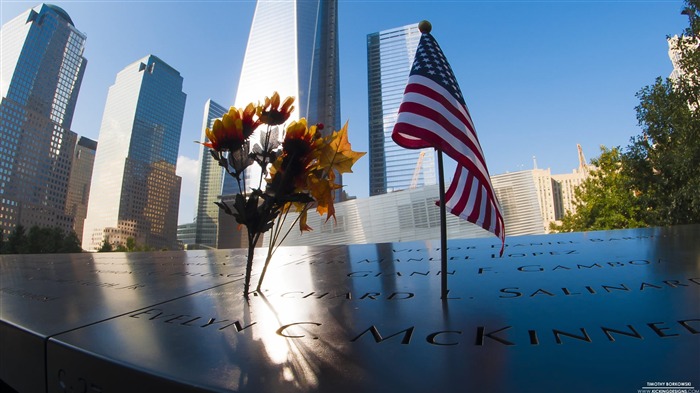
(293, 49)
(211, 183)
(79, 183)
(390, 55)
(40, 75)
(135, 192)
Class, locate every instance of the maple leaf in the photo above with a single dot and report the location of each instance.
(303, 226)
(322, 191)
(337, 154)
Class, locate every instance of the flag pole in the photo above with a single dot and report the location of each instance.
(443, 229)
(425, 27)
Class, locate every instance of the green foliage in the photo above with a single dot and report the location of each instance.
(604, 200)
(106, 246)
(130, 246)
(16, 242)
(40, 241)
(70, 244)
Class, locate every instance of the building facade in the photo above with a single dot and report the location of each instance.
(135, 191)
(79, 183)
(390, 56)
(567, 183)
(412, 215)
(548, 193)
(530, 200)
(187, 236)
(40, 75)
(293, 49)
(557, 193)
(211, 183)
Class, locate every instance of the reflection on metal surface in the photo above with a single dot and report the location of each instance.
(599, 311)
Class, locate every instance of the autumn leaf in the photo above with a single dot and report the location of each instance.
(303, 226)
(337, 154)
(322, 190)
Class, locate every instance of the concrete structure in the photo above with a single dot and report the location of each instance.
(40, 76)
(390, 55)
(135, 192)
(79, 183)
(567, 185)
(530, 200)
(413, 215)
(547, 196)
(557, 193)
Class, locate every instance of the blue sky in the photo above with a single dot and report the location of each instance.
(538, 76)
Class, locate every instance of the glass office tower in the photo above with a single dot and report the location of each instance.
(40, 75)
(135, 192)
(390, 56)
(79, 183)
(293, 49)
(211, 182)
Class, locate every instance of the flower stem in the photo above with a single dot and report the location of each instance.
(252, 239)
(306, 207)
(248, 267)
(271, 247)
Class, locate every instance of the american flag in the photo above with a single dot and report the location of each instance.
(433, 114)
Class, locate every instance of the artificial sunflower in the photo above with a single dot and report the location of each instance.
(232, 131)
(270, 113)
(300, 151)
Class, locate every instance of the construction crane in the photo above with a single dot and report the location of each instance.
(416, 172)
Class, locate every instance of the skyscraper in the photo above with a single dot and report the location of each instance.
(40, 76)
(211, 182)
(293, 49)
(135, 192)
(390, 56)
(79, 183)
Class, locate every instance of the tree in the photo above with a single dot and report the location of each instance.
(106, 246)
(17, 241)
(44, 240)
(130, 244)
(664, 162)
(41, 240)
(604, 200)
(71, 244)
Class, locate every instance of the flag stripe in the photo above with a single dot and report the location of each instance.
(421, 120)
(467, 205)
(426, 87)
(460, 182)
(463, 207)
(449, 114)
(450, 148)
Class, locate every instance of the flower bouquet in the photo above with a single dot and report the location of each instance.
(297, 174)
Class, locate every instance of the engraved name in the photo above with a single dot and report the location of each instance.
(502, 336)
(517, 292)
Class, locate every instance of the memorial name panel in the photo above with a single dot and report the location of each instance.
(602, 311)
(44, 295)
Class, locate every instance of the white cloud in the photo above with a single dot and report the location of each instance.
(188, 169)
